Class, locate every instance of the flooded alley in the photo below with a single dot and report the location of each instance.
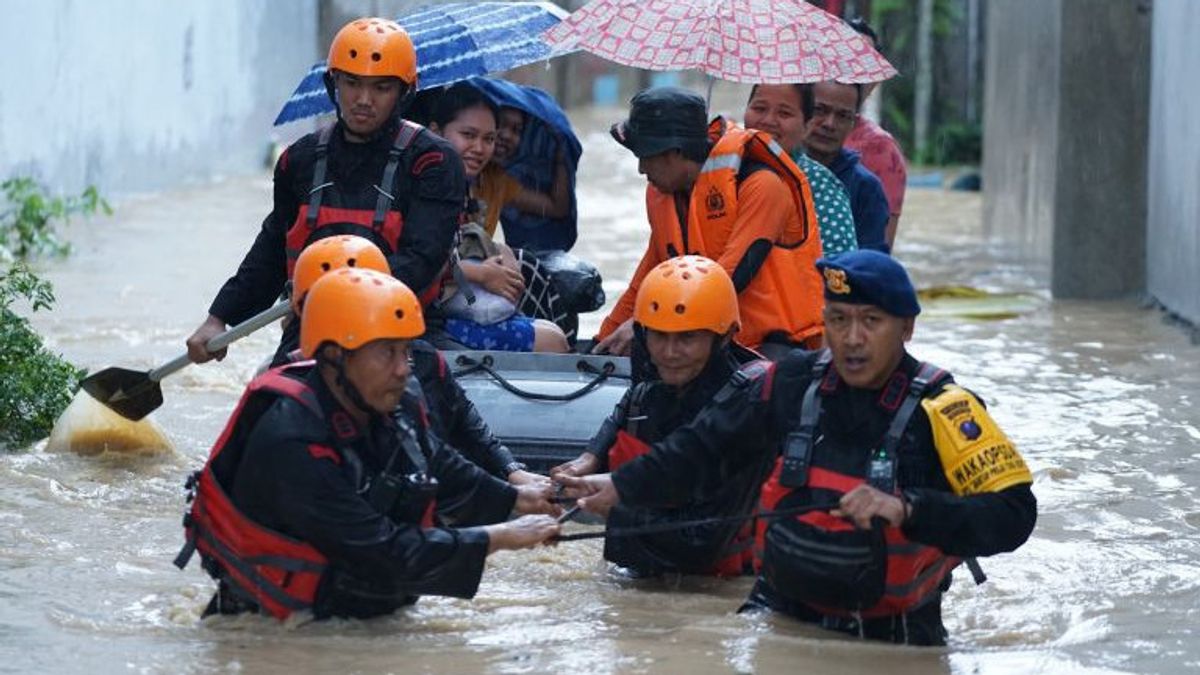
(1099, 397)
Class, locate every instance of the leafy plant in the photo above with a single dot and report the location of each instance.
(28, 215)
(955, 144)
(897, 22)
(36, 385)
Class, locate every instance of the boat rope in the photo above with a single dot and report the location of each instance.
(700, 522)
(470, 366)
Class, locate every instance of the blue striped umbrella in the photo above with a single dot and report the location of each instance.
(454, 41)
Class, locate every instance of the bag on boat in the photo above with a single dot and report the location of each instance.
(472, 301)
(577, 281)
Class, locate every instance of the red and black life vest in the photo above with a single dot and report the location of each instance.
(331, 212)
(278, 573)
(628, 446)
(823, 561)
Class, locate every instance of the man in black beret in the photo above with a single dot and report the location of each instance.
(905, 473)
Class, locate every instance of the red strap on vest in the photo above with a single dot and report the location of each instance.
(324, 452)
(626, 448)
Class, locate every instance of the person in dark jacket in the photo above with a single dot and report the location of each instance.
(686, 314)
(835, 110)
(371, 173)
(900, 473)
(452, 415)
(332, 475)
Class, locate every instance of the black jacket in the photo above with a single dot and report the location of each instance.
(751, 418)
(660, 410)
(430, 190)
(377, 561)
(454, 417)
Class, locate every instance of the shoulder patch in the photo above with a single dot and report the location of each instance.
(976, 455)
(431, 158)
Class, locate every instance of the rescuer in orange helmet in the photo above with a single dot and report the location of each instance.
(370, 173)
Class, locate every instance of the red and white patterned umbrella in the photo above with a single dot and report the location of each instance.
(749, 41)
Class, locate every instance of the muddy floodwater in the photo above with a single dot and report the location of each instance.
(1100, 398)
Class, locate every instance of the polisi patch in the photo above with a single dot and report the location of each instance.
(976, 456)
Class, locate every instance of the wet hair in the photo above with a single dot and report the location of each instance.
(457, 98)
(806, 99)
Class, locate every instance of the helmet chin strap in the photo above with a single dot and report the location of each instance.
(402, 102)
(344, 383)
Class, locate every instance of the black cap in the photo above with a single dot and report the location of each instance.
(866, 277)
(662, 119)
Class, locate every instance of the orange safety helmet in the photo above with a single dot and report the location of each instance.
(374, 47)
(351, 307)
(332, 253)
(687, 293)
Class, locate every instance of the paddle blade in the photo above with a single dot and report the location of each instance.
(129, 393)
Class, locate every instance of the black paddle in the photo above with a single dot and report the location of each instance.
(134, 394)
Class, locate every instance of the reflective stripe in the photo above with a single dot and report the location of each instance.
(718, 162)
(775, 148)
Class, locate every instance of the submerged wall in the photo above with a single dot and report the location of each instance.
(1065, 140)
(1173, 241)
(135, 95)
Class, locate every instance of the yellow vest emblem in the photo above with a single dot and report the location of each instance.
(976, 455)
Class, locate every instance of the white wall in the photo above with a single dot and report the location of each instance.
(1173, 245)
(133, 95)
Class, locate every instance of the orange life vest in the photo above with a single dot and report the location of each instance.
(786, 294)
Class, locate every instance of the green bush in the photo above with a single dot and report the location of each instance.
(959, 143)
(35, 384)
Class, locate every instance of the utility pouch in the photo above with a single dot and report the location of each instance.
(828, 569)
